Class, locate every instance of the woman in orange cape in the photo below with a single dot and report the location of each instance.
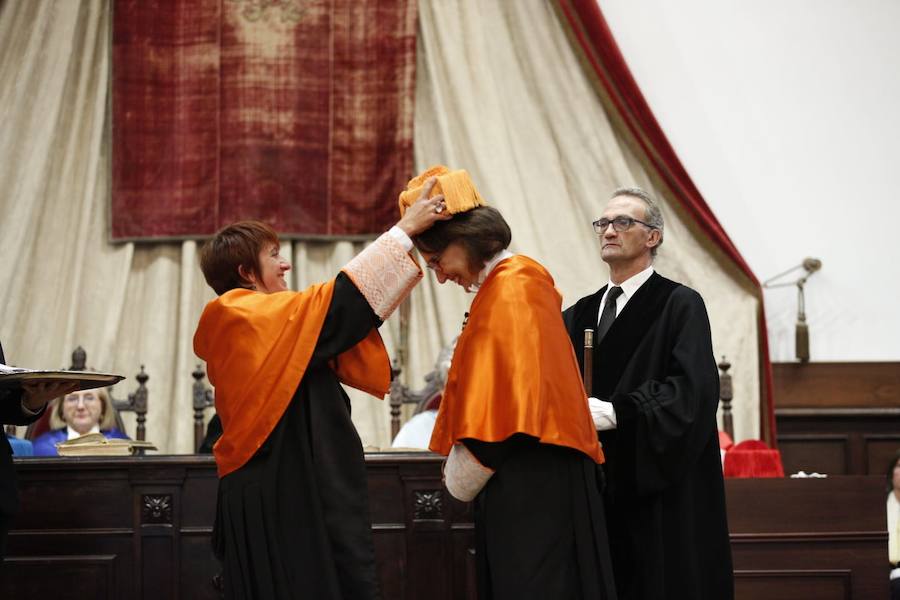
(514, 418)
(292, 519)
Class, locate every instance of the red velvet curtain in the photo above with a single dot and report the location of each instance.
(595, 42)
(298, 113)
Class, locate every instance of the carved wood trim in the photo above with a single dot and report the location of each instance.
(156, 509)
(428, 505)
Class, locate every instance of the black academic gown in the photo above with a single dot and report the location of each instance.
(540, 529)
(665, 497)
(10, 413)
(294, 521)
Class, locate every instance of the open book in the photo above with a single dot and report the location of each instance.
(14, 377)
(96, 444)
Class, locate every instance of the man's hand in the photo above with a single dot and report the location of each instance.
(425, 212)
(603, 413)
(36, 395)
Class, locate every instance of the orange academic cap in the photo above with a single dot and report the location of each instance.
(459, 192)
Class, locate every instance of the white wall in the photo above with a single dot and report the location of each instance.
(786, 114)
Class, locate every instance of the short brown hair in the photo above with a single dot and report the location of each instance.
(235, 246)
(482, 231)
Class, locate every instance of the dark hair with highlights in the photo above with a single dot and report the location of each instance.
(482, 231)
(235, 246)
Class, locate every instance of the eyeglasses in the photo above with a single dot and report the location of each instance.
(434, 262)
(620, 224)
(74, 398)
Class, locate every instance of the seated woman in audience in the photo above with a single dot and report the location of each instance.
(292, 517)
(75, 414)
(514, 417)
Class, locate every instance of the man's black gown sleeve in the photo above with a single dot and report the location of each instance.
(666, 422)
(11, 404)
(10, 413)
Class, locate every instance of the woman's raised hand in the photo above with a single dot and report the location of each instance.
(425, 212)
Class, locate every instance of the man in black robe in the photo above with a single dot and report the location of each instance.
(654, 399)
(18, 407)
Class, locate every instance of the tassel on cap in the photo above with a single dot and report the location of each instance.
(459, 192)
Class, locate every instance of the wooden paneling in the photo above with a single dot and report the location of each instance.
(838, 441)
(390, 547)
(146, 532)
(196, 571)
(880, 449)
(792, 584)
(808, 538)
(61, 577)
(152, 518)
(844, 384)
(837, 418)
(814, 453)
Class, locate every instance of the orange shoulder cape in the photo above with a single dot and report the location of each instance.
(257, 348)
(514, 368)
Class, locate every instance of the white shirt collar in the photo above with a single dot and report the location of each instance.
(488, 267)
(629, 287)
(633, 283)
(71, 434)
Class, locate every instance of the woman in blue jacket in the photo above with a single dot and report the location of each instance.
(75, 414)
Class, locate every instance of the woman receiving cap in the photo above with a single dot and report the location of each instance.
(514, 418)
(292, 518)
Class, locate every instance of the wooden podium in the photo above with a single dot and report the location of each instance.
(140, 527)
(808, 538)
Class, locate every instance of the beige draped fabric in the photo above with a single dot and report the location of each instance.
(499, 92)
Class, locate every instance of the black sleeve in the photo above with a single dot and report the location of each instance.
(568, 317)
(666, 423)
(11, 404)
(11, 412)
(348, 322)
(11, 407)
(213, 433)
(494, 454)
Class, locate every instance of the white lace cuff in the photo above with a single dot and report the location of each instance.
(464, 476)
(384, 273)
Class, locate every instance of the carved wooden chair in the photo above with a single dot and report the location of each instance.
(203, 397)
(726, 395)
(435, 380)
